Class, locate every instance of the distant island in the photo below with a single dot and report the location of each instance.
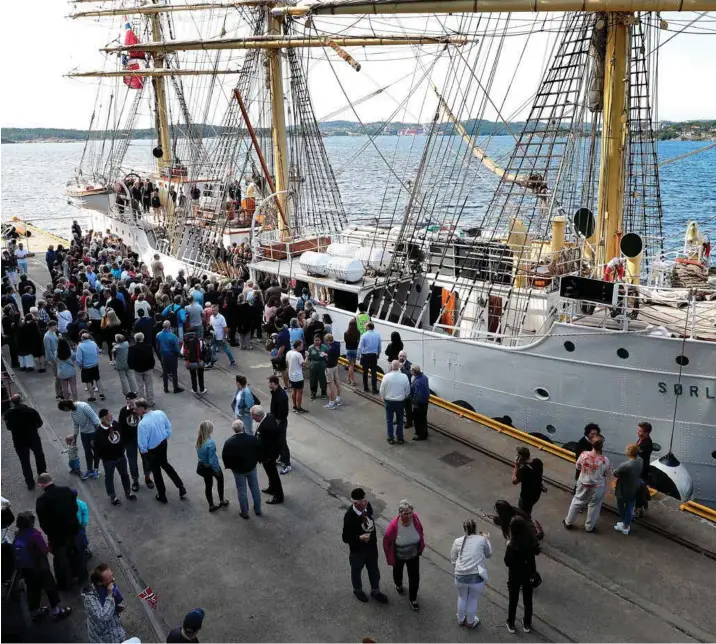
(700, 130)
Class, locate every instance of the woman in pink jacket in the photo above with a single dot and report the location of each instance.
(403, 543)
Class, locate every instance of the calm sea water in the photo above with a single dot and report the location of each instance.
(34, 176)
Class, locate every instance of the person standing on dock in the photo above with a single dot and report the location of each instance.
(359, 533)
(128, 423)
(24, 423)
(153, 433)
(87, 359)
(86, 423)
(594, 468)
(279, 410)
(269, 436)
(241, 455)
(50, 258)
(110, 448)
(140, 359)
(584, 444)
(21, 254)
(528, 474)
(51, 341)
(218, 325)
(420, 399)
(394, 389)
(168, 347)
(628, 476)
(368, 352)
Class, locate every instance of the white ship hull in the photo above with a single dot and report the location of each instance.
(589, 384)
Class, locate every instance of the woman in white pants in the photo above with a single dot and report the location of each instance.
(469, 554)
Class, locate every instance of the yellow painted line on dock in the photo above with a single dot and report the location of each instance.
(39, 231)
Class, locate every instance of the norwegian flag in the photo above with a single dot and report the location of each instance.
(149, 596)
(130, 61)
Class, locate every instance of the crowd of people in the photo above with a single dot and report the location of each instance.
(102, 299)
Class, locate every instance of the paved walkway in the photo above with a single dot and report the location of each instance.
(284, 576)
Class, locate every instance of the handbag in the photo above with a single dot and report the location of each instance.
(202, 469)
(535, 579)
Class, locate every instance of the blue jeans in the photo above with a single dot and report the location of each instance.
(225, 346)
(252, 480)
(248, 423)
(626, 511)
(394, 407)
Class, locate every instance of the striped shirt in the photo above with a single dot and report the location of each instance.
(85, 419)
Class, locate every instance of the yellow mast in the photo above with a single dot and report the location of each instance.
(161, 99)
(610, 194)
(278, 130)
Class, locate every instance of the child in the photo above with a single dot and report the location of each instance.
(31, 555)
(83, 518)
(73, 455)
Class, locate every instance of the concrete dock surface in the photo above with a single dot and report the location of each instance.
(284, 576)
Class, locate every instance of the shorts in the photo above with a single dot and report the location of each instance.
(90, 374)
(332, 375)
(279, 364)
(351, 354)
(296, 384)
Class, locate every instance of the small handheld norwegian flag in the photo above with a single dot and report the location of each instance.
(149, 596)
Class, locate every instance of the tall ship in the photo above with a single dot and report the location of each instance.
(535, 282)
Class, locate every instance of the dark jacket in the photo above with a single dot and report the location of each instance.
(420, 389)
(56, 511)
(529, 475)
(108, 443)
(23, 422)
(521, 564)
(354, 526)
(269, 439)
(128, 423)
(140, 357)
(646, 447)
(241, 453)
(279, 404)
(145, 325)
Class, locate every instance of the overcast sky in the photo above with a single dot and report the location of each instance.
(40, 45)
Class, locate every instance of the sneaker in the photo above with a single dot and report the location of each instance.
(135, 486)
(204, 391)
(182, 493)
(361, 596)
(619, 525)
(391, 441)
(244, 515)
(91, 399)
(622, 529)
(286, 469)
(313, 396)
(401, 441)
(161, 499)
(339, 402)
(416, 607)
(95, 474)
(475, 624)
(381, 598)
(400, 590)
(527, 628)
(330, 405)
(132, 496)
(323, 396)
(302, 410)
(232, 364)
(87, 475)
(115, 501)
(510, 629)
(213, 508)
(178, 390)
(568, 526)
(149, 483)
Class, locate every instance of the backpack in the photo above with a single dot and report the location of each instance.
(192, 351)
(206, 357)
(172, 316)
(23, 555)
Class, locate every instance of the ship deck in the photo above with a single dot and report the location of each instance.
(603, 587)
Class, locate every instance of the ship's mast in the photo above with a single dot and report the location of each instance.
(612, 163)
(278, 129)
(160, 94)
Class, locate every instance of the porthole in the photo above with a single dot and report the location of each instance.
(713, 455)
(542, 393)
(569, 346)
(682, 360)
(551, 429)
(656, 447)
(623, 353)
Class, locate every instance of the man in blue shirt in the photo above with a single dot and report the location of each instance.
(368, 352)
(168, 347)
(153, 431)
(420, 398)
